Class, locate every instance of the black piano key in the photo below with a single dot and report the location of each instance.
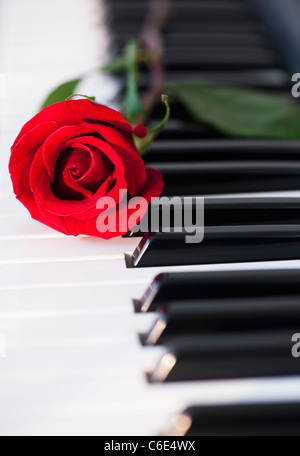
(232, 212)
(276, 81)
(176, 129)
(270, 79)
(223, 317)
(133, 29)
(203, 286)
(129, 11)
(234, 355)
(199, 39)
(211, 39)
(257, 304)
(187, 10)
(219, 57)
(239, 420)
(251, 211)
(225, 150)
(202, 12)
(185, 179)
(220, 245)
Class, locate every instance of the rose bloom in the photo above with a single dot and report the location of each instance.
(72, 154)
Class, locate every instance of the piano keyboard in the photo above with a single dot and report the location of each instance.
(92, 347)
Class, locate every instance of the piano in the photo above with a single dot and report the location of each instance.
(184, 345)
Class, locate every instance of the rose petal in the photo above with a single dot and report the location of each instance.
(40, 184)
(136, 174)
(23, 153)
(154, 184)
(72, 162)
(100, 168)
(124, 146)
(74, 112)
(56, 143)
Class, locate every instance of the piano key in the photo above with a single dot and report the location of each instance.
(248, 211)
(180, 130)
(230, 212)
(208, 10)
(273, 419)
(218, 57)
(211, 39)
(215, 26)
(258, 305)
(219, 356)
(220, 245)
(222, 317)
(199, 38)
(9, 206)
(171, 288)
(226, 150)
(273, 80)
(21, 226)
(60, 248)
(235, 177)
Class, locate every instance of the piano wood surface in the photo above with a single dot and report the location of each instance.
(73, 363)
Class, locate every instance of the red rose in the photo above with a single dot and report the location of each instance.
(69, 156)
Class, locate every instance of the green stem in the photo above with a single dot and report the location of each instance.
(132, 107)
(143, 145)
(156, 130)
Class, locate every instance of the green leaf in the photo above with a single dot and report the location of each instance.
(240, 112)
(62, 92)
(144, 144)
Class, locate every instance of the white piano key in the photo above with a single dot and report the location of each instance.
(38, 303)
(10, 206)
(20, 226)
(68, 274)
(84, 329)
(63, 248)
